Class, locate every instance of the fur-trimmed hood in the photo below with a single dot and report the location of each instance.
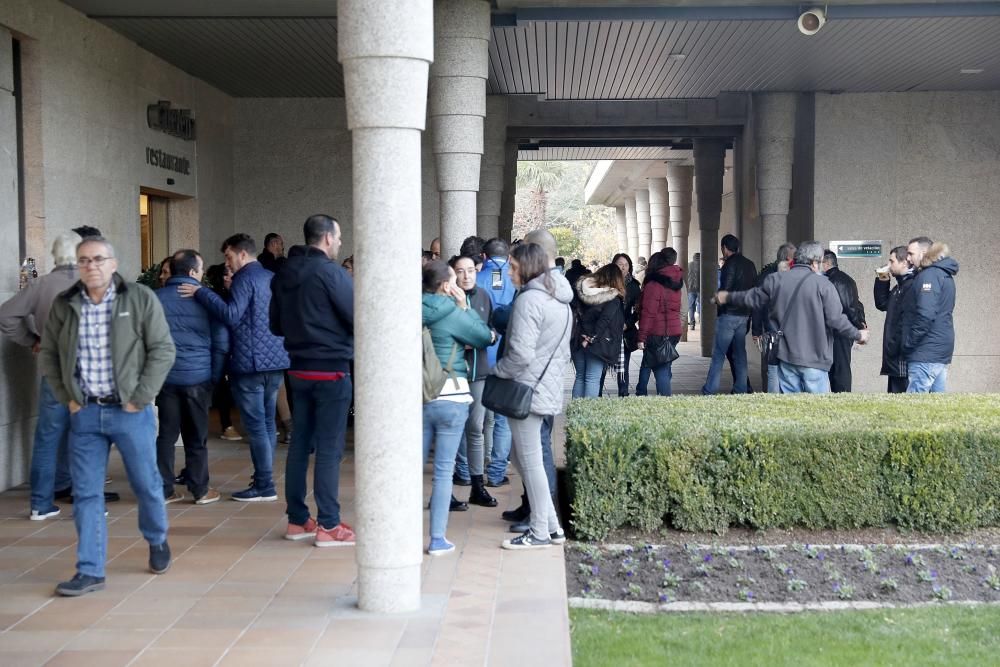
(591, 294)
(938, 255)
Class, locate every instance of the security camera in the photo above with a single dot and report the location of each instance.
(811, 21)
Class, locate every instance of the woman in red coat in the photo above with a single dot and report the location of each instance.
(660, 314)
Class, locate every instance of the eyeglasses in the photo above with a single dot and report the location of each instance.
(96, 261)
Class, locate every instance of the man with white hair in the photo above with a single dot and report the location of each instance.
(23, 318)
(106, 351)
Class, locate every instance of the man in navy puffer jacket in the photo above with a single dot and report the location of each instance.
(257, 358)
(202, 343)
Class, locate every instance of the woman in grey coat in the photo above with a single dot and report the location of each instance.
(537, 337)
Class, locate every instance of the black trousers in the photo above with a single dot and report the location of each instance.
(183, 411)
(222, 399)
(840, 372)
(898, 385)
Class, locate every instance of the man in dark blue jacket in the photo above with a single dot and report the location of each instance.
(312, 306)
(927, 324)
(202, 343)
(257, 357)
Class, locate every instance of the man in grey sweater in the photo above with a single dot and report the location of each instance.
(806, 310)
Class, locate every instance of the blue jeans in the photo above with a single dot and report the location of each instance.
(729, 330)
(773, 380)
(50, 453)
(694, 304)
(801, 379)
(320, 422)
(926, 377)
(662, 374)
(500, 453)
(92, 430)
(444, 422)
(256, 395)
(588, 374)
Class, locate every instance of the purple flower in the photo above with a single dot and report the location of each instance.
(594, 570)
(707, 558)
(666, 563)
(663, 597)
(749, 595)
(732, 552)
(836, 587)
(933, 574)
(820, 556)
(909, 559)
(789, 571)
(629, 573)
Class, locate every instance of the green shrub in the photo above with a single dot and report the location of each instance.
(928, 462)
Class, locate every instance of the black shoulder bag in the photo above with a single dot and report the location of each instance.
(511, 398)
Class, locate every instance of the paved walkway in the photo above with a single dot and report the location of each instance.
(238, 594)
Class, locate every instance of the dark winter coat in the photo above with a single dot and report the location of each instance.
(601, 318)
(890, 301)
(809, 324)
(847, 289)
(928, 327)
(312, 308)
(252, 346)
(450, 327)
(660, 311)
(633, 295)
(202, 342)
(477, 359)
(738, 274)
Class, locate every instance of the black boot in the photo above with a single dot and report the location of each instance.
(521, 513)
(457, 505)
(479, 495)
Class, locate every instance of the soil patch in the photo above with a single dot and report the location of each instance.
(799, 573)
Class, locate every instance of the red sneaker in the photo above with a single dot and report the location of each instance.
(296, 532)
(340, 535)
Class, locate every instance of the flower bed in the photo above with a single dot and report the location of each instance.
(929, 463)
(797, 573)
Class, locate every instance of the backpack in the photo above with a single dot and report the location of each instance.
(434, 375)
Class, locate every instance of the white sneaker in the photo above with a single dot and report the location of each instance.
(39, 515)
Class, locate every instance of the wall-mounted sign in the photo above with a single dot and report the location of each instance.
(175, 122)
(159, 158)
(856, 248)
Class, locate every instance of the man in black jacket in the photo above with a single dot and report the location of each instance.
(890, 302)
(738, 274)
(928, 326)
(847, 289)
(312, 306)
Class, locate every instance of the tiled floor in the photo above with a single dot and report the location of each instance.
(238, 594)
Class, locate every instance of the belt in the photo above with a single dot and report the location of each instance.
(111, 399)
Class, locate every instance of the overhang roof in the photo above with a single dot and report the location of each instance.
(566, 49)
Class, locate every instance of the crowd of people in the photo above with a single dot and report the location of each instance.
(493, 314)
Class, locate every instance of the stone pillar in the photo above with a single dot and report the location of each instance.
(631, 230)
(386, 49)
(621, 231)
(491, 173)
(509, 191)
(457, 107)
(658, 211)
(680, 180)
(642, 222)
(709, 167)
(774, 136)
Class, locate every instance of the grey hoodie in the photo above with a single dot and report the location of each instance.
(23, 317)
(540, 327)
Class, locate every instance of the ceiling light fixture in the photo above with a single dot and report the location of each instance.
(972, 70)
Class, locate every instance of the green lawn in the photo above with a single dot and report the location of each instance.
(947, 635)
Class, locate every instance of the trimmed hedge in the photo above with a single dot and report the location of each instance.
(928, 463)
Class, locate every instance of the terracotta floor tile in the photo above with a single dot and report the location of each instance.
(113, 640)
(187, 638)
(265, 657)
(24, 658)
(91, 659)
(197, 657)
(264, 637)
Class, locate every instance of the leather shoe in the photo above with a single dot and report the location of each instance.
(519, 527)
(517, 515)
(457, 505)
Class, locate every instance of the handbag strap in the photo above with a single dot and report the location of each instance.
(569, 316)
(795, 293)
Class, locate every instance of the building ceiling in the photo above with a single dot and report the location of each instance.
(575, 50)
(603, 153)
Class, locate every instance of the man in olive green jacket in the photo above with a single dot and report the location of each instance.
(106, 350)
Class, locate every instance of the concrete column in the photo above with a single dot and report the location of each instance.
(621, 231)
(709, 167)
(642, 221)
(386, 49)
(680, 180)
(491, 173)
(457, 107)
(509, 191)
(631, 230)
(658, 214)
(774, 136)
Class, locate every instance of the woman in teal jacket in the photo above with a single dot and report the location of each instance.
(453, 325)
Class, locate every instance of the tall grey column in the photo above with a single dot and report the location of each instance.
(774, 136)
(386, 49)
(457, 106)
(709, 167)
(621, 233)
(491, 173)
(631, 230)
(642, 222)
(680, 180)
(658, 211)
(509, 191)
